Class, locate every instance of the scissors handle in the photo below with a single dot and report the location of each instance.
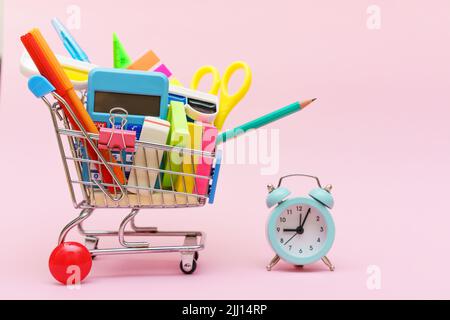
(203, 71)
(227, 101)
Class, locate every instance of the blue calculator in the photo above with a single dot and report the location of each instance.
(142, 94)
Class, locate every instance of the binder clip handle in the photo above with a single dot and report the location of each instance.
(120, 113)
(115, 138)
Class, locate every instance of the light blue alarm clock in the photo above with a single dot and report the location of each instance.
(300, 230)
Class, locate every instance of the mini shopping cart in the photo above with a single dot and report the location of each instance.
(90, 193)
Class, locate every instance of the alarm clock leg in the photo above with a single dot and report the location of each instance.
(328, 263)
(273, 263)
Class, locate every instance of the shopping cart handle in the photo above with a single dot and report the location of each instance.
(40, 86)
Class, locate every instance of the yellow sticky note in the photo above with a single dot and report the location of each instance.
(178, 137)
(186, 184)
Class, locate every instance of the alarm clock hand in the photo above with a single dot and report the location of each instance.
(306, 218)
(291, 239)
(296, 229)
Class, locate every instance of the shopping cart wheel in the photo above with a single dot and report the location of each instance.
(70, 263)
(188, 268)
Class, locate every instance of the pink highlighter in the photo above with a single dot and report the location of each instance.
(204, 166)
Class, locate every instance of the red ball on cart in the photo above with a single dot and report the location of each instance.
(70, 263)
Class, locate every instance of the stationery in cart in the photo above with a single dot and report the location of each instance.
(77, 71)
(264, 120)
(69, 41)
(178, 137)
(199, 106)
(186, 184)
(144, 63)
(48, 65)
(141, 94)
(147, 62)
(156, 131)
(204, 166)
(121, 58)
(151, 62)
(220, 86)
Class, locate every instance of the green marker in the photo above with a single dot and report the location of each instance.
(121, 58)
(263, 121)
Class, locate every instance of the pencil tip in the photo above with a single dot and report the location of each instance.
(304, 104)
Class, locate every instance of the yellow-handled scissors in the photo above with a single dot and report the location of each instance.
(227, 102)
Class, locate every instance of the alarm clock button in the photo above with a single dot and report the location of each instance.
(322, 196)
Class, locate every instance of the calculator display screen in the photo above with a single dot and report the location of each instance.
(135, 104)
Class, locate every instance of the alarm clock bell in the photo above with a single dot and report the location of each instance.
(278, 195)
(323, 195)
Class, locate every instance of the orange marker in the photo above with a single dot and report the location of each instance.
(47, 64)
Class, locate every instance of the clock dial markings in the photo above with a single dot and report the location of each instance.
(306, 239)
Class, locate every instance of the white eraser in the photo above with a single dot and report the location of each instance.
(154, 130)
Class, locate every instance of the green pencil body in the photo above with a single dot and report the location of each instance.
(263, 121)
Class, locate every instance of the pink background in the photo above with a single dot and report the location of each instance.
(379, 133)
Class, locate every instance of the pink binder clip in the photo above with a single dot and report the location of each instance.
(116, 139)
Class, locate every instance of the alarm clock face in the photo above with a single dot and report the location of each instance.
(301, 232)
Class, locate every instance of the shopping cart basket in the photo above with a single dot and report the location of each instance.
(88, 192)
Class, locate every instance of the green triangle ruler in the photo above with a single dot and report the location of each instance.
(121, 58)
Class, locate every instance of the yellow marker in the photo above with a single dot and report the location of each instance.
(227, 102)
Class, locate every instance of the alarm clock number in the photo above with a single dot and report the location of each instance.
(301, 231)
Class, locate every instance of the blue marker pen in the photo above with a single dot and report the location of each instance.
(76, 53)
(69, 42)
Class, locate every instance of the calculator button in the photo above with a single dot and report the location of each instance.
(129, 158)
(100, 124)
(95, 176)
(116, 156)
(135, 127)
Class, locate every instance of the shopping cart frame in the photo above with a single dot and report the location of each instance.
(194, 241)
